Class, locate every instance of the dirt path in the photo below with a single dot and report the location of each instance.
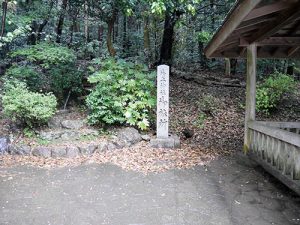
(222, 193)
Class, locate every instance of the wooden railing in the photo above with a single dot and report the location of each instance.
(276, 146)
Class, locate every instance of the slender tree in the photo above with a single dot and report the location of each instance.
(3, 20)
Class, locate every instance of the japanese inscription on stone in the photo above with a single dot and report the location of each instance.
(163, 101)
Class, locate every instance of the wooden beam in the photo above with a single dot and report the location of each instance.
(295, 28)
(228, 45)
(274, 41)
(242, 51)
(283, 135)
(248, 24)
(262, 54)
(291, 32)
(266, 10)
(293, 50)
(233, 20)
(250, 92)
(292, 184)
(282, 20)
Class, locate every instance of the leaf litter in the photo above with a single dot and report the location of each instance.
(220, 132)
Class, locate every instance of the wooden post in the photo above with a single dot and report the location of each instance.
(227, 67)
(250, 91)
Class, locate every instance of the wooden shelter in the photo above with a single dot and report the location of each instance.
(264, 29)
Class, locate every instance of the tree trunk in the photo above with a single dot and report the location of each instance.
(125, 42)
(32, 38)
(116, 30)
(4, 11)
(213, 14)
(147, 49)
(100, 33)
(290, 70)
(109, 41)
(41, 28)
(168, 37)
(203, 59)
(60, 23)
(155, 40)
(86, 22)
(233, 63)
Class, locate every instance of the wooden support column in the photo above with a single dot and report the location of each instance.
(227, 67)
(250, 91)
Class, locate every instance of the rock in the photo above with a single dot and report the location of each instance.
(20, 150)
(49, 135)
(4, 145)
(88, 149)
(89, 132)
(62, 112)
(69, 135)
(54, 122)
(111, 146)
(115, 144)
(146, 137)
(72, 124)
(129, 135)
(118, 142)
(42, 151)
(72, 152)
(59, 151)
(102, 147)
(171, 142)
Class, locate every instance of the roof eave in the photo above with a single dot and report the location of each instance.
(234, 18)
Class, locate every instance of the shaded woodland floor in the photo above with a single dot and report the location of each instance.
(207, 104)
(207, 111)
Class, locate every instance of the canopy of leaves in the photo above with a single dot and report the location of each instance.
(46, 54)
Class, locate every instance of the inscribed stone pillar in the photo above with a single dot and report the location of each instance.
(162, 125)
(163, 139)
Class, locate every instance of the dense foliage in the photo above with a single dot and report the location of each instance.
(30, 108)
(51, 68)
(27, 74)
(124, 93)
(270, 92)
(46, 54)
(49, 45)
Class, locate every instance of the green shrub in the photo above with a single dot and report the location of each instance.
(27, 74)
(202, 117)
(124, 93)
(46, 54)
(270, 92)
(204, 37)
(209, 105)
(55, 67)
(64, 78)
(28, 107)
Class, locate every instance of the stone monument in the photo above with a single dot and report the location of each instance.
(163, 140)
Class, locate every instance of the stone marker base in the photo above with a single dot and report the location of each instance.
(172, 141)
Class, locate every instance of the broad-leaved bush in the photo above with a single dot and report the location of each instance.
(27, 74)
(55, 66)
(46, 54)
(270, 92)
(30, 108)
(124, 93)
